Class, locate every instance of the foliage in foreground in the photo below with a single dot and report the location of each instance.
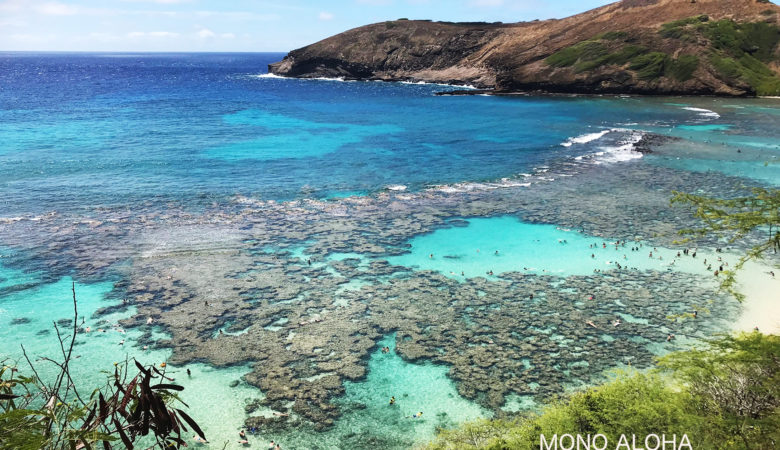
(726, 395)
(35, 414)
(737, 218)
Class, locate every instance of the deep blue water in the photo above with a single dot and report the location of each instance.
(85, 130)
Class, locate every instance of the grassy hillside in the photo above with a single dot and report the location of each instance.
(735, 53)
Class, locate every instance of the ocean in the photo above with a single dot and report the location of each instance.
(279, 233)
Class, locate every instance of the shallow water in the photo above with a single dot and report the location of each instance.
(505, 244)
(371, 421)
(176, 180)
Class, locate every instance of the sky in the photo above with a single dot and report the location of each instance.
(234, 25)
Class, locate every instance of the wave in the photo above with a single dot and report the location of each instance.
(343, 80)
(585, 138)
(703, 112)
(624, 151)
(336, 79)
(396, 187)
(279, 77)
(620, 149)
(427, 83)
(478, 186)
(268, 75)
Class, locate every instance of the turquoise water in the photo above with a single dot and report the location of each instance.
(506, 244)
(99, 349)
(284, 137)
(766, 172)
(371, 418)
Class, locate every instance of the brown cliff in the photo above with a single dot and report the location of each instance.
(715, 47)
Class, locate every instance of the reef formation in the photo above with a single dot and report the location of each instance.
(302, 291)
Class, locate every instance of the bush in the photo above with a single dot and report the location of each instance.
(651, 65)
(632, 403)
(589, 55)
(613, 36)
(682, 68)
(724, 396)
(748, 69)
(130, 408)
(681, 29)
(735, 386)
(585, 51)
(626, 54)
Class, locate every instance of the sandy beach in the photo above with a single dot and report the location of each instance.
(761, 307)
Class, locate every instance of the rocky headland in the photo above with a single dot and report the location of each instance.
(664, 47)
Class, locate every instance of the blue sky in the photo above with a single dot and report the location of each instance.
(234, 25)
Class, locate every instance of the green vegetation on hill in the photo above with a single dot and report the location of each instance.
(613, 48)
(738, 52)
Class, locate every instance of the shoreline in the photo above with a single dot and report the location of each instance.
(471, 89)
(760, 308)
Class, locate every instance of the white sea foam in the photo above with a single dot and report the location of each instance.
(473, 186)
(624, 151)
(337, 79)
(703, 112)
(426, 83)
(396, 187)
(268, 75)
(585, 138)
(278, 77)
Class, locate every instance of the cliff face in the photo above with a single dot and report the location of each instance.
(721, 47)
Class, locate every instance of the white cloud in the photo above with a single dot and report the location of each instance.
(324, 15)
(237, 15)
(14, 23)
(206, 33)
(12, 5)
(227, 36)
(152, 34)
(56, 9)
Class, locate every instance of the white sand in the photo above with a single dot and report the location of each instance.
(762, 303)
